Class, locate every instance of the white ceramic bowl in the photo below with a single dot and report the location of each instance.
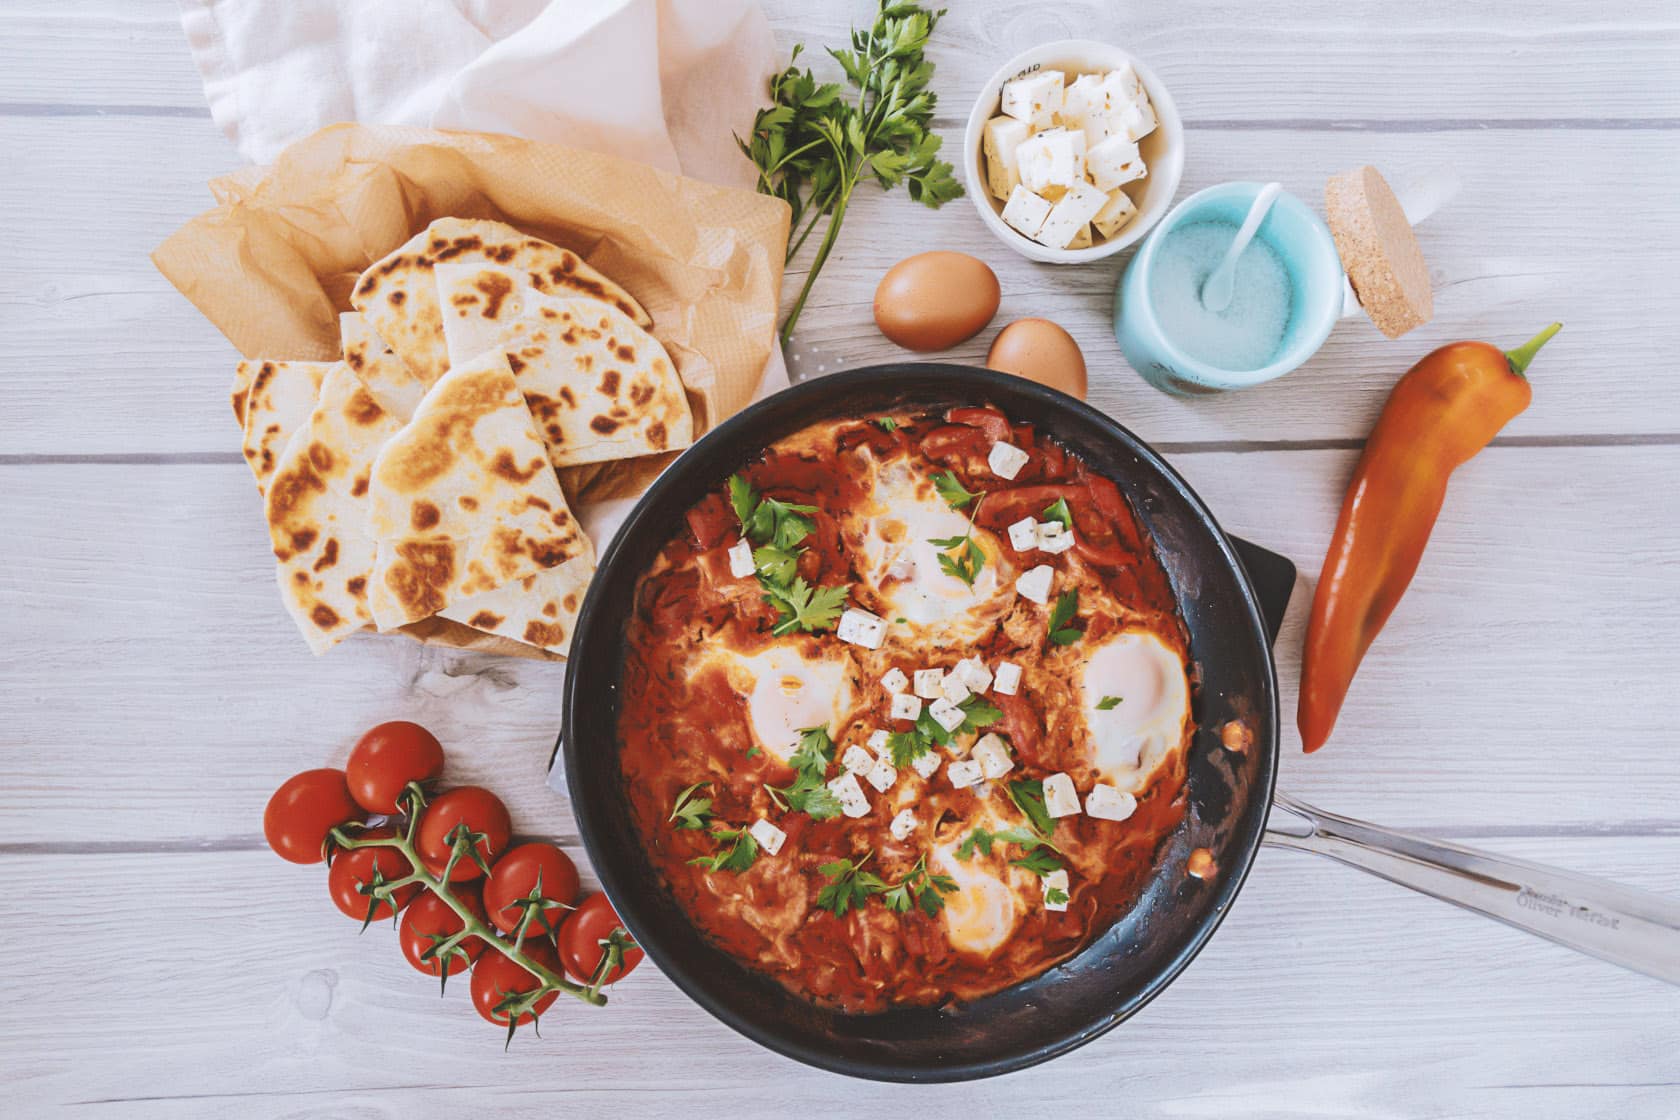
(1163, 149)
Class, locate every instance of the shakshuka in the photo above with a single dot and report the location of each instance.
(906, 708)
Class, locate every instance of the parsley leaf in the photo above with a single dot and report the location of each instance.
(739, 856)
(809, 792)
(743, 499)
(951, 489)
(813, 146)
(1058, 511)
(849, 885)
(976, 714)
(1028, 795)
(964, 562)
(887, 424)
(1109, 703)
(803, 608)
(1064, 612)
(1040, 861)
(776, 564)
(689, 811)
(769, 521)
(905, 747)
(921, 886)
(1056, 896)
(982, 839)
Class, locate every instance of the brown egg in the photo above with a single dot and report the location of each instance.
(1041, 351)
(932, 301)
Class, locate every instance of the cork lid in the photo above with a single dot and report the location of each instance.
(1382, 257)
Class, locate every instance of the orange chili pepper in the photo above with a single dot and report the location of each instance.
(1446, 409)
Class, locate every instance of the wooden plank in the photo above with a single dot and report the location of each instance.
(151, 670)
(1318, 61)
(250, 993)
(83, 298)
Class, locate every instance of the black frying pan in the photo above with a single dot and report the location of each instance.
(1123, 969)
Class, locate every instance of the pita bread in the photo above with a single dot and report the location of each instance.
(599, 386)
(271, 400)
(317, 510)
(391, 383)
(463, 502)
(399, 296)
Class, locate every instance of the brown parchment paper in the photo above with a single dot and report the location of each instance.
(273, 264)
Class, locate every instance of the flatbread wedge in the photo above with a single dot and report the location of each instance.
(317, 510)
(396, 387)
(599, 386)
(463, 502)
(399, 296)
(270, 401)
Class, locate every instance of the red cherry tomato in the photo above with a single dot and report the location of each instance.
(593, 922)
(484, 816)
(495, 977)
(520, 872)
(356, 870)
(429, 920)
(386, 759)
(304, 810)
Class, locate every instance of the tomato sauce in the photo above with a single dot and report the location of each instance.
(684, 722)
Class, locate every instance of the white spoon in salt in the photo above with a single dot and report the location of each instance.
(1221, 285)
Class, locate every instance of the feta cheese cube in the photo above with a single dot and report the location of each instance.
(1081, 240)
(1080, 98)
(1034, 98)
(1025, 211)
(954, 689)
(878, 741)
(973, 672)
(1054, 538)
(1109, 804)
(926, 765)
(930, 683)
(903, 824)
(1035, 585)
(769, 837)
(1005, 459)
(861, 628)
(1003, 135)
(964, 773)
(1023, 535)
(1114, 162)
(1076, 209)
(1116, 212)
(946, 714)
(740, 560)
(856, 760)
(882, 775)
(1060, 798)
(1057, 880)
(853, 803)
(992, 753)
(1137, 120)
(905, 706)
(1008, 678)
(894, 680)
(1053, 158)
(1118, 89)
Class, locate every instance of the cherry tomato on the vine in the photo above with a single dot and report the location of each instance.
(386, 759)
(517, 874)
(304, 810)
(484, 816)
(429, 920)
(495, 977)
(580, 941)
(357, 869)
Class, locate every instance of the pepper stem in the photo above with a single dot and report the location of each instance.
(1524, 354)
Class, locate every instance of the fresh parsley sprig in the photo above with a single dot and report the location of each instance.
(691, 812)
(740, 855)
(1109, 703)
(813, 145)
(849, 885)
(976, 714)
(808, 792)
(921, 886)
(1058, 511)
(1028, 795)
(951, 489)
(961, 558)
(777, 528)
(1064, 612)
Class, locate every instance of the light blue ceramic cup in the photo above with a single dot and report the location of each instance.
(1299, 237)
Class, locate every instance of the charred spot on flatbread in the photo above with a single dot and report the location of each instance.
(359, 487)
(485, 620)
(396, 297)
(329, 555)
(545, 634)
(606, 425)
(357, 586)
(418, 575)
(504, 466)
(425, 516)
(609, 383)
(363, 410)
(467, 502)
(657, 435)
(641, 393)
(324, 616)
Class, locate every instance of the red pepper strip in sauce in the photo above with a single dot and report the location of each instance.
(1446, 409)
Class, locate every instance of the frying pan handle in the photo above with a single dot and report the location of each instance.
(1634, 929)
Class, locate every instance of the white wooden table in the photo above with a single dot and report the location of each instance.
(160, 961)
